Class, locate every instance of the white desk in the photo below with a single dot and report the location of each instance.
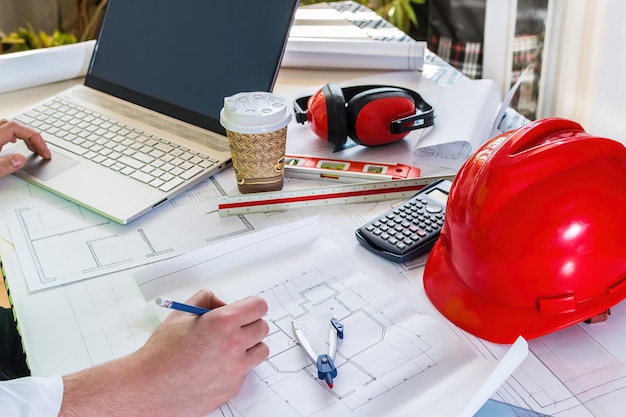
(50, 352)
(550, 380)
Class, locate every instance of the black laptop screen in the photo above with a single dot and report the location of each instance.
(182, 57)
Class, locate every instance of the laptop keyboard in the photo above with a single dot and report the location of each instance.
(142, 156)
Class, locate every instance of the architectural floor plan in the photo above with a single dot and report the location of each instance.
(389, 352)
(54, 229)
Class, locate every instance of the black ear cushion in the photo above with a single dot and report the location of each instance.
(336, 111)
(360, 100)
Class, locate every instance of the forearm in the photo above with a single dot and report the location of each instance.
(188, 367)
(116, 388)
(142, 384)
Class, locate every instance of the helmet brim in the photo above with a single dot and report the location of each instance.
(492, 321)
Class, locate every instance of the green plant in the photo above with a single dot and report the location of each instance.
(27, 38)
(399, 13)
(83, 25)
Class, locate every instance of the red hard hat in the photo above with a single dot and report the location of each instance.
(534, 233)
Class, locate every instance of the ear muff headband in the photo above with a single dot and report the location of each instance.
(334, 113)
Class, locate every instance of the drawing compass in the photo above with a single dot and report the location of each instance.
(326, 369)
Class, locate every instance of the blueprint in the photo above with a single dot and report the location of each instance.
(578, 371)
(392, 359)
(48, 231)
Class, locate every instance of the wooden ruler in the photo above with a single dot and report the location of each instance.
(323, 196)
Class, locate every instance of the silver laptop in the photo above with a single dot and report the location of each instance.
(145, 124)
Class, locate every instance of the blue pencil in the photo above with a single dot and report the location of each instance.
(175, 305)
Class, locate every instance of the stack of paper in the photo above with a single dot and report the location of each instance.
(347, 35)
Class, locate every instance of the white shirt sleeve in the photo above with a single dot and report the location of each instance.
(31, 397)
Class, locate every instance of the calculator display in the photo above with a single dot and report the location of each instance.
(438, 195)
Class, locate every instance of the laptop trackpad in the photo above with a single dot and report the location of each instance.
(44, 169)
(36, 166)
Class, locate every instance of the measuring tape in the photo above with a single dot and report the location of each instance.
(323, 196)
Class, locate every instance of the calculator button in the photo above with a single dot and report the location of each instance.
(405, 231)
(433, 208)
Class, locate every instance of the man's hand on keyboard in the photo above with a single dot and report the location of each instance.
(11, 131)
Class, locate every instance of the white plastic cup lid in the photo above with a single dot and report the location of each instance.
(254, 112)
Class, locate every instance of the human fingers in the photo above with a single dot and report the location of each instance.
(249, 309)
(247, 314)
(11, 130)
(257, 354)
(11, 163)
(205, 298)
(254, 333)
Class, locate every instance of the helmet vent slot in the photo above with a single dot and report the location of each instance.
(526, 139)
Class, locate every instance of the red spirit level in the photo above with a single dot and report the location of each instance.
(309, 167)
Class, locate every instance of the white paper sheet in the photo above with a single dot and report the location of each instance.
(465, 113)
(48, 230)
(468, 113)
(392, 360)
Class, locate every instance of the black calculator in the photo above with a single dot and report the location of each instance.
(411, 229)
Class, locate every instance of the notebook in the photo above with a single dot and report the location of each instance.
(148, 111)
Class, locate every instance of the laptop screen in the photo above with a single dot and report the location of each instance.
(182, 57)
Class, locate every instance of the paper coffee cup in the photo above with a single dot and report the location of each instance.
(256, 126)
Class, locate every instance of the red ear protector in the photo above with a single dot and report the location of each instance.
(370, 115)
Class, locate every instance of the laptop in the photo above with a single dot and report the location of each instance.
(149, 106)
